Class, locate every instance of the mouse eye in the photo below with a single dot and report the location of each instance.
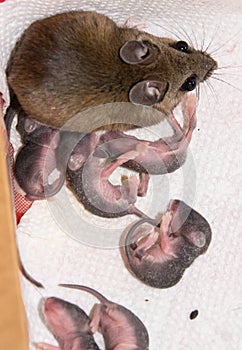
(189, 84)
(181, 46)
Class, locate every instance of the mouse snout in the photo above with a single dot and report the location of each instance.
(204, 65)
(48, 304)
(210, 66)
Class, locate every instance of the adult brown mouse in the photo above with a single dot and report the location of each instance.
(69, 324)
(158, 256)
(76, 60)
(121, 328)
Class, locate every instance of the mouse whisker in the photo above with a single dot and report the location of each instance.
(203, 37)
(224, 43)
(223, 74)
(198, 94)
(206, 49)
(195, 39)
(187, 36)
(167, 30)
(212, 90)
(206, 93)
(227, 67)
(181, 32)
(226, 82)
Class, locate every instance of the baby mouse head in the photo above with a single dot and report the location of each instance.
(167, 68)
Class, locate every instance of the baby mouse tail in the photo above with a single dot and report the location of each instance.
(27, 275)
(98, 295)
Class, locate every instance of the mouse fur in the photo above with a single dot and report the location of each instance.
(76, 60)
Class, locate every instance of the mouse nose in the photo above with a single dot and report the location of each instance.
(209, 65)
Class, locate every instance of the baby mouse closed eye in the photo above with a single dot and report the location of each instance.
(73, 61)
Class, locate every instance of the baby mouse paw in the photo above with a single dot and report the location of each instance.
(128, 24)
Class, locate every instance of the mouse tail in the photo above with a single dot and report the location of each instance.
(27, 275)
(92, 291)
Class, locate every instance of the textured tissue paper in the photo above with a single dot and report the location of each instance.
(50, 244)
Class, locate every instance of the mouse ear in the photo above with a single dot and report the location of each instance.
(138, 52)
(197, 238)
(148, 92)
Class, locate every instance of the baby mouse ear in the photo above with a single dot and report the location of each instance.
(138, 52)
(197, 238)
(148, 92)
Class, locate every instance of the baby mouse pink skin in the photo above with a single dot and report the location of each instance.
(156, 157)
(69, 325)
(45, 150)
(89, 180)
(160, 256)
(121, 329)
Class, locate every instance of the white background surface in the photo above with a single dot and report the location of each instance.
(212, 284)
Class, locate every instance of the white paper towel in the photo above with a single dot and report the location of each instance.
(212, 284)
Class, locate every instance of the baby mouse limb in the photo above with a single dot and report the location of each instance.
(159, 255)
(90, 182)
(69, 325)
(156, 157)
(121, 329)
